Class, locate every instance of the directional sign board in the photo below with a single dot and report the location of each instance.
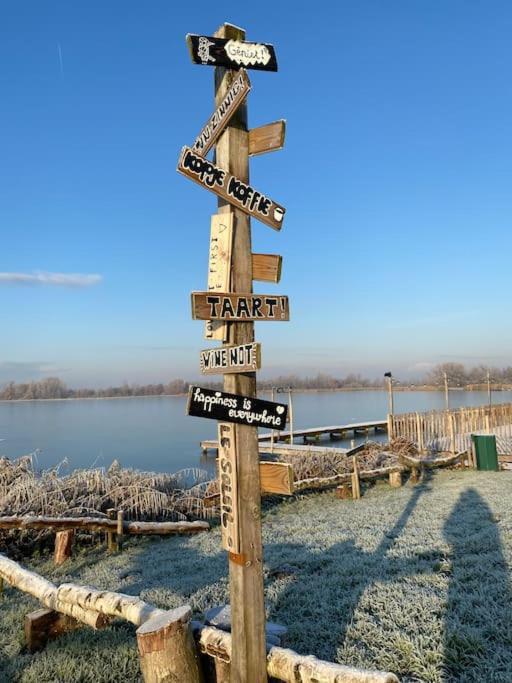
(231, 54)
(266, 267)
(230, 359)
(218, 405)
(222, 115)
(219, 267)
(228, 487)
(206, 306)
(241, 195)
(267, 138)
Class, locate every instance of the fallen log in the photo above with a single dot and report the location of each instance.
(346, 477)
(430, 463)
(128, 607)
(286, 665)
(102, 524)
(46, 592)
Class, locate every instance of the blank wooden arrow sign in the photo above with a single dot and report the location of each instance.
(231, 54)
(241, 195)
(222, 115)
(266, 267)
(239, 307)
(267, 138)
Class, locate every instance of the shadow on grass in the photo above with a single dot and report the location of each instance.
(478, 621)
(328, 585)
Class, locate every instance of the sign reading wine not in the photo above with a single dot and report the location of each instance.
(245, 410)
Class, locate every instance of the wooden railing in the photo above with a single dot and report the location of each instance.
(450, 430)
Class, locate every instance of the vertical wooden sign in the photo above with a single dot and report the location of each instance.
(228, 485)
(219, 268)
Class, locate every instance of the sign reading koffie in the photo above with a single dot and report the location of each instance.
(218, 405)
(231, 54)
(241, 195)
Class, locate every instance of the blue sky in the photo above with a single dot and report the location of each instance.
(395, 174)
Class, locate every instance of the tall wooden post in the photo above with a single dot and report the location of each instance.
(245, 568)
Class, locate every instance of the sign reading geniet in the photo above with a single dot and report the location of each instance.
(222, 115)
(207, 306)
(232, 189)
(230, 359)
(245, 410)
(232, 54)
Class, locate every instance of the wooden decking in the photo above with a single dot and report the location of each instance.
(333, 431)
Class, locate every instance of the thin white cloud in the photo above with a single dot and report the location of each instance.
(52, 279)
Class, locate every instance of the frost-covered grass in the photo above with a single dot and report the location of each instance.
(412, 580)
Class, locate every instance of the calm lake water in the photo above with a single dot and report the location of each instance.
(155, 434)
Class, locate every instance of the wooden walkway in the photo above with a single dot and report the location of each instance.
(333, 431)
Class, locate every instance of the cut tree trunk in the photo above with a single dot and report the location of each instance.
(44, 625)
(167, 650)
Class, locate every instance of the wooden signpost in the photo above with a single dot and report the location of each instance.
(231, 309)
(226, 359)
(221, 116)
(245, 410)
(230, 188)
(231, 54)
(206, 306)
(219, 267)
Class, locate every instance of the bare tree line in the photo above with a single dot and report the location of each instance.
(456, 373)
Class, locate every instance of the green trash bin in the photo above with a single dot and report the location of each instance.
(485, 451)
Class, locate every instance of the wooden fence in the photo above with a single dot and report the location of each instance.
(450, 430)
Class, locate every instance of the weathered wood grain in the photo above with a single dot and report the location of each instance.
(266, 267)
(219, 268)
(276, 478)
(268, 138)
(239, 307)
(228, 486)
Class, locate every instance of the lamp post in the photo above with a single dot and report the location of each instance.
(389, 377)
(446, 395)
(489, 395)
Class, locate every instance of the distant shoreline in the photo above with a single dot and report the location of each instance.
(295, 391)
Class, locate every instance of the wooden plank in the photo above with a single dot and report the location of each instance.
(276, 477)
(246, 410)
(245, 580)
(228, 359)
(268, 138)
(219, 268)
(228, 485)
(230, 188)
(266, 267)
(242, 307)
(222, 115)
(231, 53)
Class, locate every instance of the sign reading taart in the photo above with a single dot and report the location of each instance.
(228, 487)
(230, 188)
(231, 54)
(230, 359)
(221, 116)
(218, 405)
(206, 306)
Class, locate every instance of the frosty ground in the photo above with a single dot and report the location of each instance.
(413, 580)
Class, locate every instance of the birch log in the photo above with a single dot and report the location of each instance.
(102, 524)
(46, 592)
(167, 650)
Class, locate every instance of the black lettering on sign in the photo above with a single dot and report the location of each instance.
(230, 188)
(210, 306)
(232, 54)
(219, 405)
(222, 115)
(228, 487)
(231, 359)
